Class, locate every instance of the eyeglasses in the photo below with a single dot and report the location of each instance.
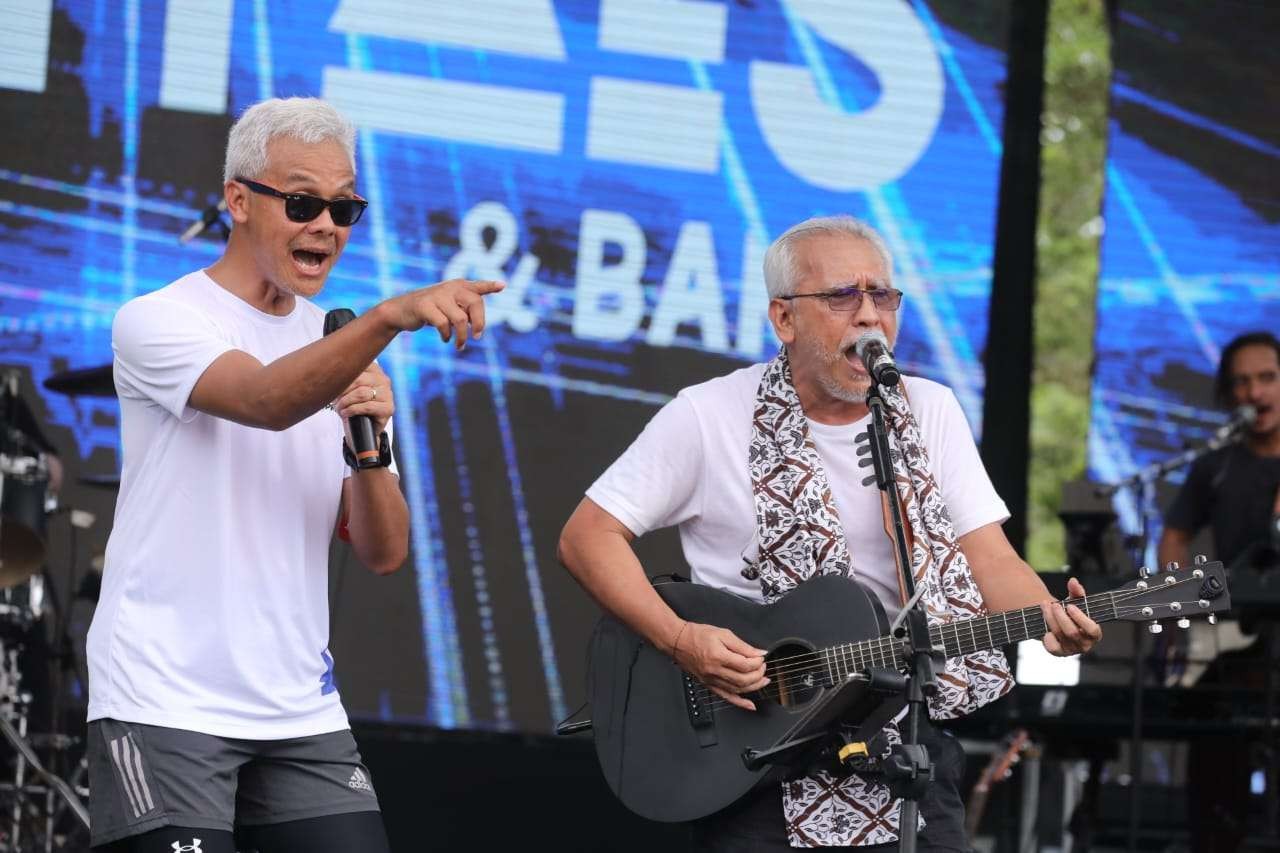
(850, 298)
(300, 207)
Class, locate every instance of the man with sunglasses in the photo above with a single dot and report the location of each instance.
(212, 702)
(758, 469)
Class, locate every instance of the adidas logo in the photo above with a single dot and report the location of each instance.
(359, 781)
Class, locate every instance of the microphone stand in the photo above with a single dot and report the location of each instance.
(1149, 474)
(874, 698)
(908, 770)
(210, 217)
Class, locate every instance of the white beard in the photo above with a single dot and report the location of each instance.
(842, 392)
(826, 378)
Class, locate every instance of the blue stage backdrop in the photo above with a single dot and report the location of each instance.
(1191, 251)
(621, 163)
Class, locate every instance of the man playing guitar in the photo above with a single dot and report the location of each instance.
(757, 469)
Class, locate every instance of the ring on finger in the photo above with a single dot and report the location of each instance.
(374, 395)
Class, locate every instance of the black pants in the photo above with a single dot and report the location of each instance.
(755, 823)
(1219, 766)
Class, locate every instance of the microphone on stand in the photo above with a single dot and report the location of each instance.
(1242, 417)
(359, 427)
(211, 214)
(873, 349)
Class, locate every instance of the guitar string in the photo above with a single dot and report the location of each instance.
(884, 646)
(798, 673)
(819, 661)
(855, 660)
(1098, 598)
(799, 677)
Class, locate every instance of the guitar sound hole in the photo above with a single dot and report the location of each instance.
(795, 675)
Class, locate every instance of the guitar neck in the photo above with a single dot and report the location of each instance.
(966, 636)
(963, 637)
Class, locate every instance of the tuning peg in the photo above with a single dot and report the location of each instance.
(863, 463)
(1201, 559)
(1155, 627)
(1213, 619)
(861, 437)
(863, 449)
(1171, 566)
(1184, 623)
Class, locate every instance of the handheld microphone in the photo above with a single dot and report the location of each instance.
(359, 427)
(210, 216)
(873, 349)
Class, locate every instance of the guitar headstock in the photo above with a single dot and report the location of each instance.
(1179, 593)
(1007, 754)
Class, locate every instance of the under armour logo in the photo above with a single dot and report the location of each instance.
(193, 847)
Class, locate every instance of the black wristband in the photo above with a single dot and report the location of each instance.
(384, 454)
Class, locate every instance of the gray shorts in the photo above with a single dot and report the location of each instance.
(144, 777)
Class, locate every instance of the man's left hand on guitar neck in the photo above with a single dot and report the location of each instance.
(1071, 632)
(1008, 583)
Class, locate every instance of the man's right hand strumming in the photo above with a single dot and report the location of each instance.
(596, 549)
(721, 660)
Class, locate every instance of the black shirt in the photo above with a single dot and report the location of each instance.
(1234, 492)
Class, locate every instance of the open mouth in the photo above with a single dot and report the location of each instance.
(851, 356)
(309, 261)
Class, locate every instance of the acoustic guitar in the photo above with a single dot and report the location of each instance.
(672, 750)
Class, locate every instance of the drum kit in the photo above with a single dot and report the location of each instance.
(39, 809)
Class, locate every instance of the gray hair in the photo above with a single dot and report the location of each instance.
(780, 271)
(309, 120)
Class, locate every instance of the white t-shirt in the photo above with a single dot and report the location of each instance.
(214, 612)
(689, 468)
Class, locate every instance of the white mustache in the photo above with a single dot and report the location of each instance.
(848, 341)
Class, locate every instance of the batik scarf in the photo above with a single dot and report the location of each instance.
(800, 536)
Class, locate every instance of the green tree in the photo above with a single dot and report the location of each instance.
(1073, 140)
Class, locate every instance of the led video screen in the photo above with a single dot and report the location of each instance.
(622, 164)
(1191, 251)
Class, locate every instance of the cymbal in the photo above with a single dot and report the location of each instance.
(88, 381)
(107, 481)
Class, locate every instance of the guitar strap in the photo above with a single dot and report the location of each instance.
(800, 536)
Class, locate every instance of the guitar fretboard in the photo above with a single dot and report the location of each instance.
(962, 637)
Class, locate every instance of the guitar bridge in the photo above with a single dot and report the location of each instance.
(697, 704)
(698, 708)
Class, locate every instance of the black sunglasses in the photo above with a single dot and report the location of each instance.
(300, 207)
(850, 298)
